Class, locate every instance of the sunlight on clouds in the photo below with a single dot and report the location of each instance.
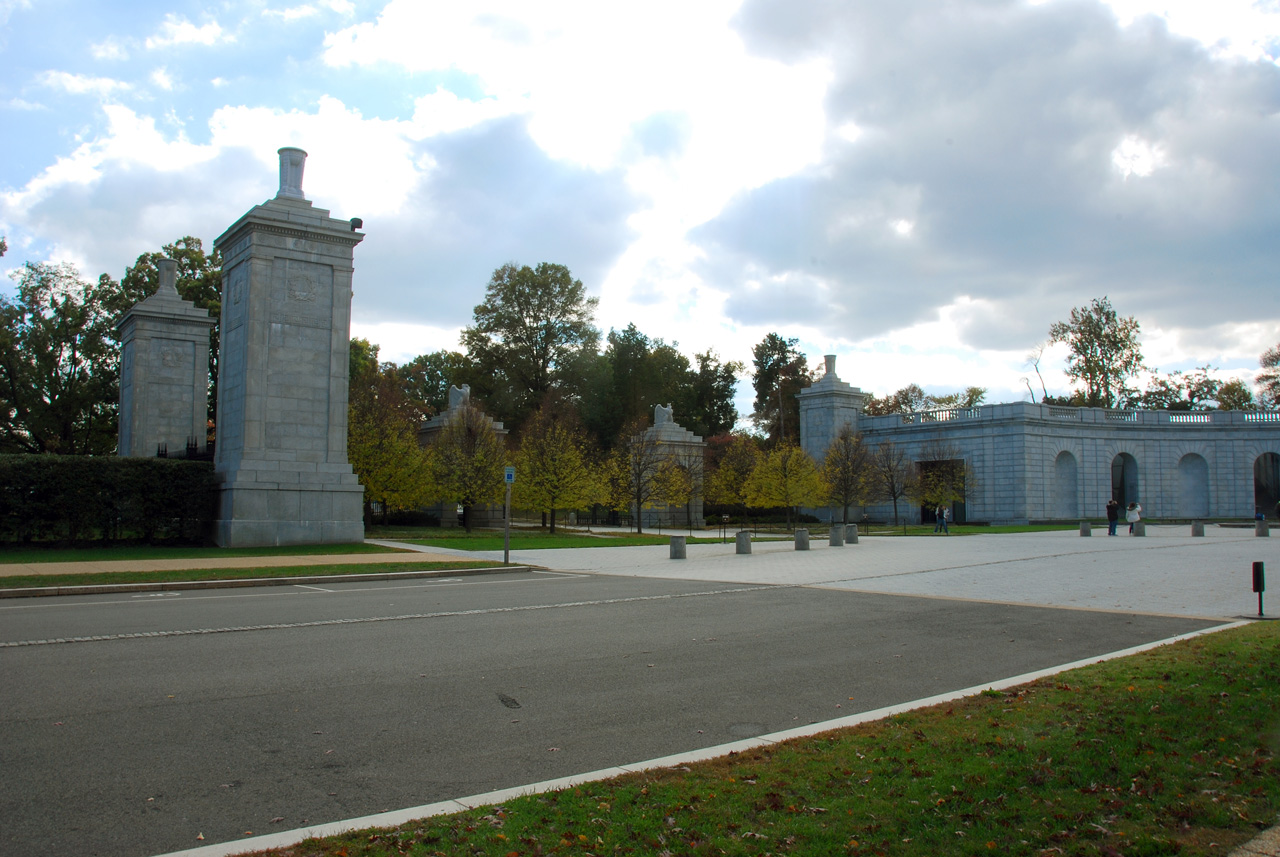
(365, 165)
(161, 78)
(79, 84)
(442, 112)
(849, 132)
(400, 343)
(179, 31)
(1238, 28)
(903, 227)
(1136, 157)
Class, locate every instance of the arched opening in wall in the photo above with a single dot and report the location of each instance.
(1266, 484)
(1066, 484)
(1124, 479)
(1193, 484)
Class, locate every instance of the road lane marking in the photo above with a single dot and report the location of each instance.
(444, 614)
(312, 588)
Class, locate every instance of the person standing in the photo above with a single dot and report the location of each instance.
(1133, 514)
(942, 519)
(1113, 516)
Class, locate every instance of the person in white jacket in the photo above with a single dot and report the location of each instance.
(1133, 514)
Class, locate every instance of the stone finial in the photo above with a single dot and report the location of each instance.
(830, 360)
(168, 277)
(292, 162)
(662, 414)
(459, 396)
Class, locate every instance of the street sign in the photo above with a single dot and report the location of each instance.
(509, 475)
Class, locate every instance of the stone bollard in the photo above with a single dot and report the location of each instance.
(1197, 529)
(744, 541)
(1086, 529)
(851, 535)
(836, 538)
(802, 540)
(1139, 528)
(1262, 529)
(677, 547)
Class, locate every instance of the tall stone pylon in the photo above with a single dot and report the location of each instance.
(281, 451)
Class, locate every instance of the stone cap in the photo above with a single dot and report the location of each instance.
(166, 303)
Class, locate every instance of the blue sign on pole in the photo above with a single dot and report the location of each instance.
(509, 475)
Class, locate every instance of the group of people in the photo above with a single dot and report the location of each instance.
(1132, 514)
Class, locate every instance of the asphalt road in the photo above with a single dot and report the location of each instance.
(251, 711)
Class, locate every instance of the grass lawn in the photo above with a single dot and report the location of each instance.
(526, 539)
(185, 575)
(1172, 751)
(134, 552)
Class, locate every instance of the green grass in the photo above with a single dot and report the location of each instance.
(136, 552)
(1172, 751)
(524, 539)
(186, 575)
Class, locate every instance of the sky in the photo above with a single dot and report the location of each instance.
(920, 188)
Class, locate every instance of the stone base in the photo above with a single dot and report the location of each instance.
(261, 517)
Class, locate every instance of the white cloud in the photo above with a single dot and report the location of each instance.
(179, 31)
(109, 49)
(1136, 157)
(293, 13)
(1245, 29)
(161, 78)
(80, 84)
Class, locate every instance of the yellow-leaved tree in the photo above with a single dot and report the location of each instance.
(554, 467)
(787, 477)
(466, 460)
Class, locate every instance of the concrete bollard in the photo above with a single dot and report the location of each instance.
(1261, 529)
(677, 547)
(1197, 529)
(836, 539)
(851, 534)
(1086, 529)
(744, 541)
(1139, 528)
(802, 540)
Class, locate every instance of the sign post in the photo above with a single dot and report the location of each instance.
(508, 476)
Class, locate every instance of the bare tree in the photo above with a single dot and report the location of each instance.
(637, 473)
(893, 476)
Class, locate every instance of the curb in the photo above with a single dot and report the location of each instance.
(180, 585)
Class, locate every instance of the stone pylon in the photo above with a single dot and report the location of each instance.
(164, 373)
(281, 452)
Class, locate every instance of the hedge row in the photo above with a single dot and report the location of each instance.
(103, 499)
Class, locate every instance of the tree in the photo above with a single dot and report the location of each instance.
(199, 281)
(893, 476)
(737, 458)
(787, 477)
(555, 470)
(60, 362)
(528, 334)
(637, 471)
(781, 372)
(1105, 351)
(943, 476)
(683, 480)
(427, 378)
(466, 460)
(1269, 378)
(912, 399)
(1195, 391)
(845, 470)
(1235, 395)
(714, 384)
(382, 440)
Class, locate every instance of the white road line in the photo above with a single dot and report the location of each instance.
(312, 588)
(369, 619)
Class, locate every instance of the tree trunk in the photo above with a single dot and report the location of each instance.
(466, 518)
(553, 521)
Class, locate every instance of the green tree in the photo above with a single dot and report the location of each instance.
(1105, 352)
(912, 399)
(1194, 391)
(199, 281)
(942, 475)
(427, 378)
(528, 337)
(60, 362)
(1269, 378)
(466, 461)
(714, 383)
(1235, 395)
(780, 373)
(786, 477)
(555, 470)
(845, 470)
(382, 439)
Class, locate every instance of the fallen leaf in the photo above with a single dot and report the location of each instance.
(199, 836)
(552, 749)
(277, 819)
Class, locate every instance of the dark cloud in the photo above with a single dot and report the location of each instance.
(493, 197)
(990, 127)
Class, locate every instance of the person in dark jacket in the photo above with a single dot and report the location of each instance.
(1113, 516)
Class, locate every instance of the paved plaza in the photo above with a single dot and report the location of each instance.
(1165, 572)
